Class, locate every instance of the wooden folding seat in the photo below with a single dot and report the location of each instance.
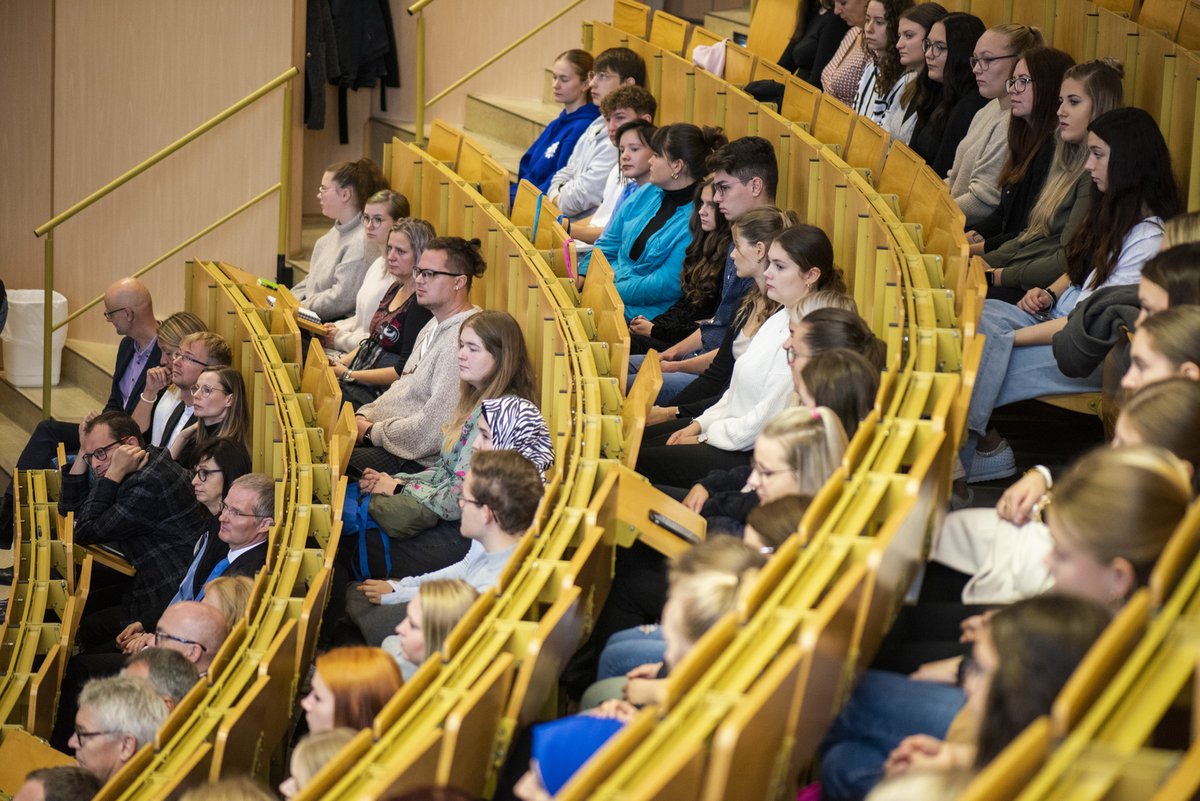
(468, 747)
(771, 28)
(444, 142)
(22, 752)
(1101, 663)
(767, 70)
(677, 101)
(708, 107)
(637, 405)
(1184, 781)
(867, 147)
(741, 114)
(1178, 555)
(739, 64)
(1189, 30)
(228, 651)
(470, 160)
(900, 170)
(668, 32)
(834, 123)
(701, 36)
(1005, 776)
(414, 766)
(631, 17)
(311, 613)
(1119, 36)
(778, 131)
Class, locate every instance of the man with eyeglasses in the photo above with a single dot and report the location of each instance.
(401, 430)
(196, 630)
(128, 306)
(499, 499)
(116, 717)
(136, 499)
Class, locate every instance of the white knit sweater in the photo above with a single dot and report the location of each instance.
(974, 178)
(335, 271)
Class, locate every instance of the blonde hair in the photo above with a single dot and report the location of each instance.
(1123, 503)
(1101, 80)
(315, 750)
(1182, 229)
(231, 595)
(172, 330)
(821, 299)
(241, 788)
(813, 443)
(1020, 37)
(760, 226)
(704, 598)
(722, 553)
(444, 602)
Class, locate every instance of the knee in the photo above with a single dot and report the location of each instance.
(849, 770)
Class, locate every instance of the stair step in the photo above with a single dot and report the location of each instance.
(505, 153)
(517, 121)
(734, 21)
(69, 401)
(12, 440)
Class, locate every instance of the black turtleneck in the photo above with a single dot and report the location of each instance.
(672, 199)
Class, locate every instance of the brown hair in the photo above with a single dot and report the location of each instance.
(844, 381)
(1167, 414)
(778, 520)
(396, 202)
(704, 259)
(1028, 137)
(462, 255)
(829, 328)
(508, 484)
(580, 60)
(636, 98)
(363, 177)
(1175, 333)
(1176, 270)
(236, 425)
(362, 680)
(624, 62)
(809, 247)
(513, 374)
(760, 226)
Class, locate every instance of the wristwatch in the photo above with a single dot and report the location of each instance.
(367, 435)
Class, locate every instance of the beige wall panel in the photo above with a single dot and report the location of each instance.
(321, 148)
(133, 75)
(26, 36)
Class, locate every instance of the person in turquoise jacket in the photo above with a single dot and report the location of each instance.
(645, 243)
(549, 153)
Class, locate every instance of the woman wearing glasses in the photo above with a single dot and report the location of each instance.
(379, 359)
(220, 409)
(171, 413)
(383, 210)
(219, 462)
(980, 157)
(920, 94)
(948, 52)
(161, 395)
(1033, 90)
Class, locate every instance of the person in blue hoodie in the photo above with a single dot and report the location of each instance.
(549, 153)
(648, 238)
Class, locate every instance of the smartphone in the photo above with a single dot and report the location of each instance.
(673, 527)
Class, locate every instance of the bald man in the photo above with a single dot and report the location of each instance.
(128, 306)
(194, 629)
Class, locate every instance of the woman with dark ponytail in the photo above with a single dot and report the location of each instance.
(341, 257)
(647, 241)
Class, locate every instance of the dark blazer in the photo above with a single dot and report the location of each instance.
(213, 551)
(124, 356)
(152, 518)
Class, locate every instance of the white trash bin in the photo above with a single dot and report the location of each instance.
(22, 337)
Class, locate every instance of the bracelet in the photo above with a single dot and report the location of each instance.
(1044, 472)
(1052, 294)
(142, 395)
(349, 376)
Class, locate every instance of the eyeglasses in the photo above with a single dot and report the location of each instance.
(425, 275)
(464, 499)
(82, 736)
(937, 47)
(100, 453)
(1018, 85)
(159, 634)
(203, 473)
(764, 472)
(722, 188)
(108, 315)
(224, 507)
(204, 391)
(983, 62)
(376, 220)
(607, 76)
(187, 357)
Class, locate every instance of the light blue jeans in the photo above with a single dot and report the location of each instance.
(672, 384)
(1008, 374)
(630, 648)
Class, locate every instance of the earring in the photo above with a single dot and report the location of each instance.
(675, 175)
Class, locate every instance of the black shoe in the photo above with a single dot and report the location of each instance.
(6, 575)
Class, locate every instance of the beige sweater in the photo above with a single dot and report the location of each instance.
(339, 262)
(974, 178)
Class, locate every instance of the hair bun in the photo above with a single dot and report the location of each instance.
(1114, 64)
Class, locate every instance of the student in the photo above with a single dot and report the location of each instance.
(1036, 257)
(383, 210)
(699, 280)
(769, 526)
(1031, 145)
(629, 111)
(1134, 189)
(429, 618)
(840, 76)
(401, 431)
(375, 362)
(340, 258)
(1166, 345)
(163, 401)
(550, 151)
(841, 380)
(979, 157)
(219, 408)
(1170, 279)
(1022, 658)
(578, 187)
(493, 363)
(499, 499)
(919, 94)
(948, 51)
(884, 79)
(645, 243)
(314, 751)
(349, 688)
(745, 176)
(825, 329)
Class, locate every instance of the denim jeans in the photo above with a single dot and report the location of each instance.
(1008, 374)
(884, 709)
(630, 648)
(672, 382)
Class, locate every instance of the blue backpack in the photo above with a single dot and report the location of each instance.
(372, 556)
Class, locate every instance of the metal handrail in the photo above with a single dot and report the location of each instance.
(48, 228)
(422, 104)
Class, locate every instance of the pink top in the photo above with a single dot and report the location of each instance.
(841, 75)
